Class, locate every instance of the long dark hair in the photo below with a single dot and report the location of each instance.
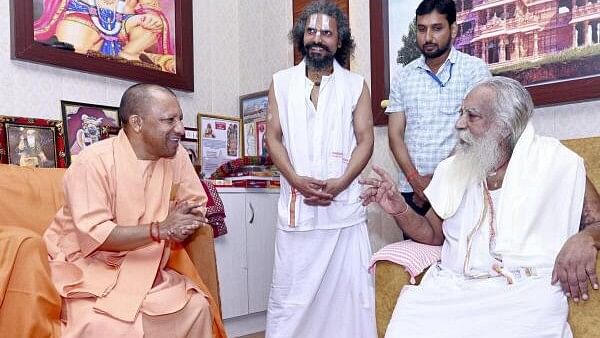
(343, 54)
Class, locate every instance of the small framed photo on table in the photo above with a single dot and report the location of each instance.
(220, 141)
(253, 109)
(86, 124)
(32, 142)
(190, 143)
(261, 128)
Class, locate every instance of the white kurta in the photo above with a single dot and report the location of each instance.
(319, 142)
(321, 284)
(537, 210)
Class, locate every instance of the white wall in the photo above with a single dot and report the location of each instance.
(237, 46)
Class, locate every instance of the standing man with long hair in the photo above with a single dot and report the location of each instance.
(320, 136)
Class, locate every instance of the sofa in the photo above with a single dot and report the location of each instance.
(583, 316)
(29, 199)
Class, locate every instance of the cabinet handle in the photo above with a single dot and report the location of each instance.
(252, 210)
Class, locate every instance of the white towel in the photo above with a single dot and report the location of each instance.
(541, 203)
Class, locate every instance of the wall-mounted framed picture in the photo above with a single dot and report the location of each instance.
(86, 124)
(139, 40)
(254, 106)
(253, 109)
(31, 142)
(220, 141)
(552, 47)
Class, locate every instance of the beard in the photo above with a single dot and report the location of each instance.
(478, 157)
(318, 61)
(436, 53)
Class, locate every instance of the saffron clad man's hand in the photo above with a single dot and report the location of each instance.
(575, 267)
(183, 220)
(382, 191)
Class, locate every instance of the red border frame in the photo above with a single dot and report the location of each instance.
(59, 137)
(105, 131)
(543, 94)
(24, 47)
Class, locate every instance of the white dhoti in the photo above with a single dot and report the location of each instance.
(321, 285)
(447, 305)
(493, 237)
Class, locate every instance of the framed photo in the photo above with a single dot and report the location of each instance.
(190, 143)
(140, 40)
(86, 124)
(32, 142)
(551, 47)
(220, 141)
(250, 138)
(254, 106)
(261, 128)
(253, 109)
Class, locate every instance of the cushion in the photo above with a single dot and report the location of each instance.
(414, 257)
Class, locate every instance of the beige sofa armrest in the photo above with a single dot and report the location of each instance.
(390, 278)
(201, 250)
(584, 316)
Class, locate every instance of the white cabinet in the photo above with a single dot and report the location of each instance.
(260, 248)
(245, 254)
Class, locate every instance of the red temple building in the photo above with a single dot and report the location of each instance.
(503, 32)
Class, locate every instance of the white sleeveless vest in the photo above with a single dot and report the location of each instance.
(322, 152)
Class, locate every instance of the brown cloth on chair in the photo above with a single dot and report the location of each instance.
(215, 211)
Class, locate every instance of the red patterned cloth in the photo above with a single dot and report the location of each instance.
(215, 211)
(414, 257)
(228, 168)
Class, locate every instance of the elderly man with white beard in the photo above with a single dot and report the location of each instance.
(518, 221)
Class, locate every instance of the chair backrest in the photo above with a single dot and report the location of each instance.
(589, 149)
(30, 197)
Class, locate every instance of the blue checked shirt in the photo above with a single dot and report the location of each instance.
(431, 105)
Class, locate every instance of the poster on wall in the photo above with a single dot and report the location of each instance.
(86, 124)
(545, 42)
(143, 40)
(220, 141)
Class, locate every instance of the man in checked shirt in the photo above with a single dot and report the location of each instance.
(425, 98)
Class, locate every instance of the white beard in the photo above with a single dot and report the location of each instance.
(476, 158)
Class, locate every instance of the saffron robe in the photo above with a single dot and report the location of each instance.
(107, 185)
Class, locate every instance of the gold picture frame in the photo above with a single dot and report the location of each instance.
(220, 140)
